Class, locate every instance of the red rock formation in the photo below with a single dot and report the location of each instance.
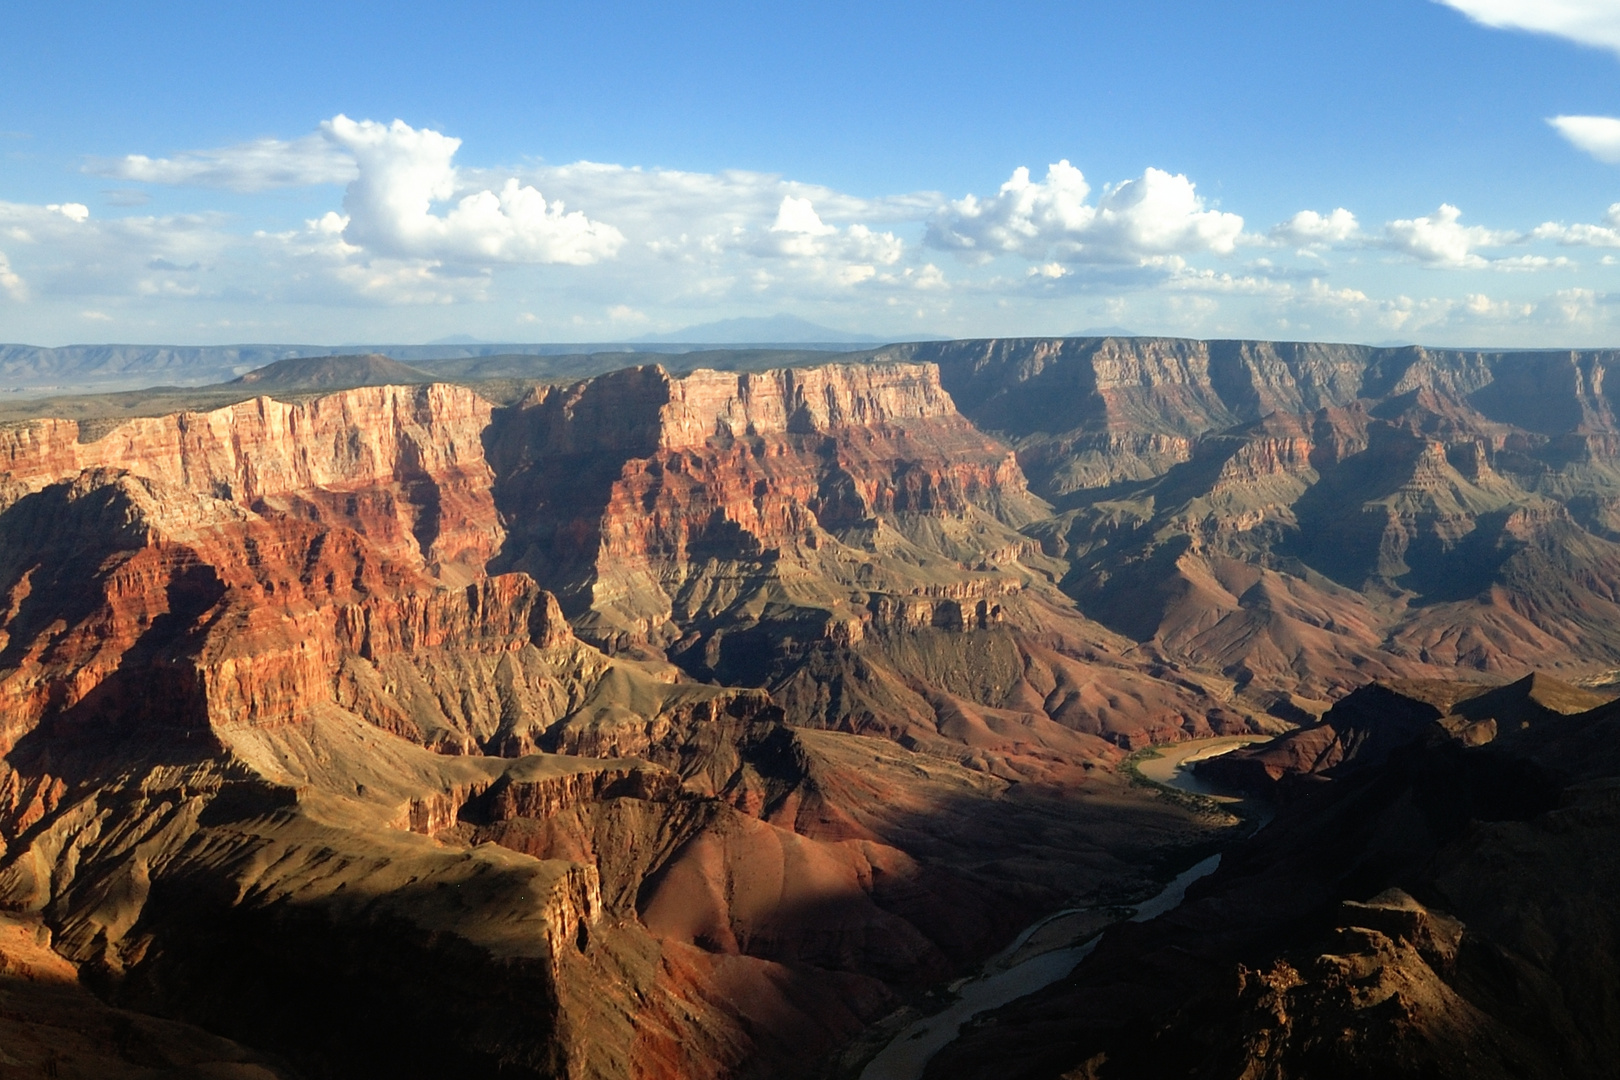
(403, 466)
(1396, 513)
(739, 472)
(229, 642)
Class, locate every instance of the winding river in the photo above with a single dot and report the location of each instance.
(1002, 981)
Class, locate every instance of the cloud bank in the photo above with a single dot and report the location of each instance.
(249, 167)
(1154, 215)
(581, 251)
(404, 171)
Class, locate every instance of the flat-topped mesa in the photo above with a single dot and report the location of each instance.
(710, 404)
(1090, 412)
(403, 465)
(638, 411)
(1138, 385)
(623, 491)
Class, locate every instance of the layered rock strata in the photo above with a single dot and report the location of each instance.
(823, 533)
(401, 465)
(1302, 517)
(650, 502)
(284, 738)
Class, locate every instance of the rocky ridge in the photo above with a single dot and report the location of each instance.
(290, 729)
(1438, 910)
(688, 725)
(1305, 517)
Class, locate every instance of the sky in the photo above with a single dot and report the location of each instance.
(1439, 171)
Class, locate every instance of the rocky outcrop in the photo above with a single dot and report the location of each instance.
(1438, 913)
(403, 466)
(1146, 398)
(539, 788)
(53, 1025)
(797, 527)
(300, 682)
(283, 742)
(1369, 724)
(652, 504)
(1380, 513)
(241, 619)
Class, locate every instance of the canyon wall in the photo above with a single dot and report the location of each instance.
(1304, 517)
(648, 502)
(689, 725)
(402, 465)
(285, 709)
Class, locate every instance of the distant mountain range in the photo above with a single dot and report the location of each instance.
(778, 329)
(769, 330)
(33, 370)
(1103, 331)
(331, 372)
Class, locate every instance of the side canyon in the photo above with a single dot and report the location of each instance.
(710, 724)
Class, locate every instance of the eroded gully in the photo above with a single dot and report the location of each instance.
(1002, 980)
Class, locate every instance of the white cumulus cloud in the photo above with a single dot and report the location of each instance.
(1310, 229)
(798, 232)
(417, 228)
(1023, 217)
(403, 171)
(1158, 214)
(1581, 235)
(11, 281)
(799, 217)
(1590, 22)
(1440, 239)
(1597, 135)
(253, 166)
(608, 247)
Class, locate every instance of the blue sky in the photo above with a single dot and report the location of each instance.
(1379, 171)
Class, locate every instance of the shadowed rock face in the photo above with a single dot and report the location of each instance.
(1368, 725)
(654, 504)
(686, 726)
(841, 536)
(1304, 517)
(291, 733)
(1443, 911)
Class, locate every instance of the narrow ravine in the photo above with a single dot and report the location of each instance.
(908, 1054)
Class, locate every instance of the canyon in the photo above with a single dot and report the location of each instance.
(368, 721)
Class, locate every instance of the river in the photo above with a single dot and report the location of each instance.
(1002, 981)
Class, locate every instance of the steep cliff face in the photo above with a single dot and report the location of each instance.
(1302, 517)
(126, 596)
(301, 682)
(1062, 400)
(283, 739)
(841, 536)
(401, 465)
(651, 503)
(216, 763)
(1087, 412)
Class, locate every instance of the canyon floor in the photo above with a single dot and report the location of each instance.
(714, 719)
